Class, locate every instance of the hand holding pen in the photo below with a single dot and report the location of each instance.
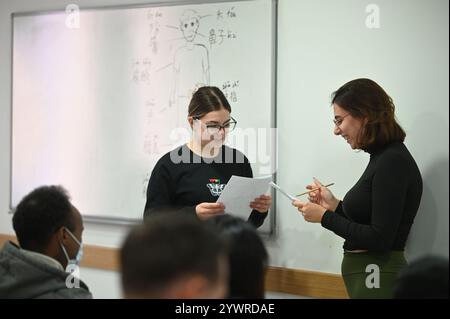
(319, 194)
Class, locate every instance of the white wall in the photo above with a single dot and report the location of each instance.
(322, 45)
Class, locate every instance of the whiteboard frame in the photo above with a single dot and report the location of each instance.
(112, 220)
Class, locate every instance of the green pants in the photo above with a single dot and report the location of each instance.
(371, 275)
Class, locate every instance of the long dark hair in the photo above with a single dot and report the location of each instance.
(207, 99)
(248, 258)
(366, 100)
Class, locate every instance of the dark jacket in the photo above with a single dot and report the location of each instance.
(25, 274)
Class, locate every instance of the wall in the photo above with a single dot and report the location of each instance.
(321, 45)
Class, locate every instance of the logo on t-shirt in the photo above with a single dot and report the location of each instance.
(215, 187)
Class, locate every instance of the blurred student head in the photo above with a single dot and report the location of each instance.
(173, 255)
(248, 257)
(425, 278)
(46, 222)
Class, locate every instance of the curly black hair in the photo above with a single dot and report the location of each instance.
(40, 214)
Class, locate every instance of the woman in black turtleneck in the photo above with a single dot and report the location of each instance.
(377, 213)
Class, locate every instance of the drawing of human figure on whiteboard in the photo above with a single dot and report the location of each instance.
(190, 65)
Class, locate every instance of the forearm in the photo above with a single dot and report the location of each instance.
(256, 218)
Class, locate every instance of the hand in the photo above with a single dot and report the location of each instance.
(262, 203)
(323, 196)
(207, 210)
(311, 212)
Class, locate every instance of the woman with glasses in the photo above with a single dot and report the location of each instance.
(192, 176)
(376, 215)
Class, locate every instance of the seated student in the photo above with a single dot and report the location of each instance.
(171, 256)
(247, 256)
(48, 228)
(424, 278)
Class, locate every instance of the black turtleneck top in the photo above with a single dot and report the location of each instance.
(378, 211)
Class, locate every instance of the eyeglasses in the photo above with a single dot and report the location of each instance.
(229, 126)
(337, 122)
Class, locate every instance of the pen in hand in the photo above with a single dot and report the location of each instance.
(314, 189)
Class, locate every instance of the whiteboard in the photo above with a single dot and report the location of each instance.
(99, 98)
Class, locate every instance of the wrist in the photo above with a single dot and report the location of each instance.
(322, 214)
(334, 205)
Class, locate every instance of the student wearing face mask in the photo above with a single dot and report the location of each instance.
(377, 213)
(191, 177)
(48, 229)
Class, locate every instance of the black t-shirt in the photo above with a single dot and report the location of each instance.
(378, 212)
(181, 180)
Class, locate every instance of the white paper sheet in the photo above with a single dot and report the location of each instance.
(240, 191)
(282, 191)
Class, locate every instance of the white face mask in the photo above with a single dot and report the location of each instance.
(77, 259)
